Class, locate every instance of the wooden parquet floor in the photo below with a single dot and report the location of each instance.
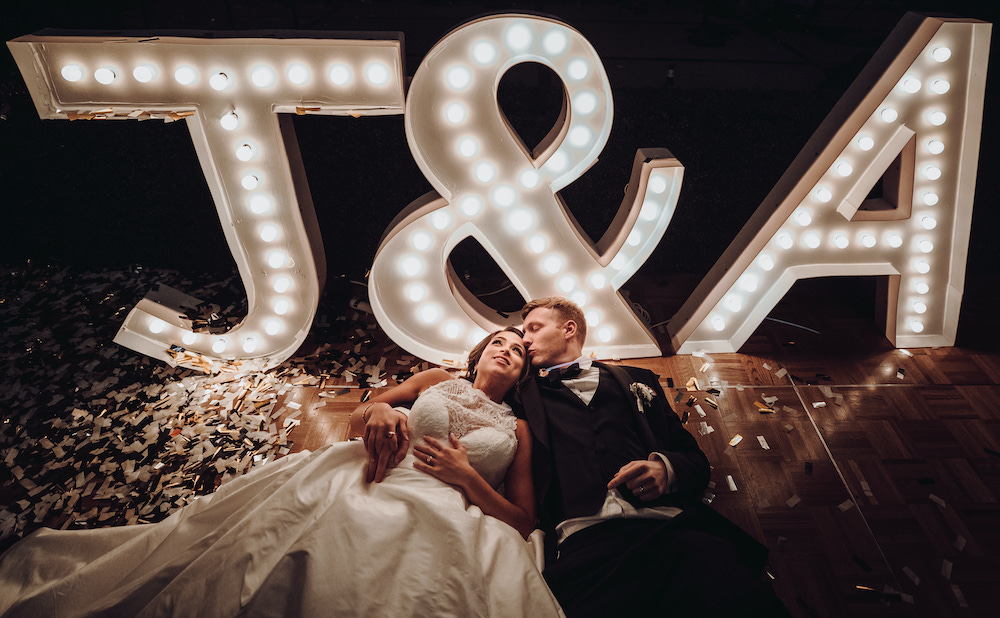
(878, 489)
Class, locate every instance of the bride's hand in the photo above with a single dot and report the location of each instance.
(450, 464)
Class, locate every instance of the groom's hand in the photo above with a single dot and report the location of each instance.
(387, 439)
(646, 479)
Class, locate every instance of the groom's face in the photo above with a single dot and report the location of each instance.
(546, 337)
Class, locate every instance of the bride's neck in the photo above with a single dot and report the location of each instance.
(490, 387)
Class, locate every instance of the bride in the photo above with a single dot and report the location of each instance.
(440, 534)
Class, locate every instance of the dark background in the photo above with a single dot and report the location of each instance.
(752, 81)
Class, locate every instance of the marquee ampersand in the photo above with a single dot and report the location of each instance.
(490, 187)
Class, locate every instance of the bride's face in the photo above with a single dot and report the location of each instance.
(504, 356)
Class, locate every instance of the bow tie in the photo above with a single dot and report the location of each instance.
(561, 373)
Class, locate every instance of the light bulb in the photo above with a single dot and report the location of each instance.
(260, 204)
(585, 103)
(219, 81)
(649, 211)
(298, 74)
(458, 77)
(411, 266)
(868, 240)
(185, 75)
(503, 196)
(803, 218)
(579, 136)
(784, 240)
(340, 74)
(921, 287)
(940, 86)
(377, 74)
(910, 84)
(282, 284)
(421, 241)
(935, 146)
(925, 246)
(566, 284)
(823, 194)
(273, 326)
(578, 69)
(918, 306)
(811, 240)
(866, 143)
(941, 54)
(189, 338)
(916, 326)
(657, 183)
(484, 52)
(249, 345)
(604, 334)
(922, 267)
(841, 241)
(72, 72)
(844, 169)
(555, 42)
(529, 178)
(732, 302)
(537, 243)
(468, 147)
(895, 240)
(930, 198)
(593, 317)
(928, 223)
(471, 205)
(281, 306)
(936, 117)
(521, 220)
(517, 37)
(230, 121)
(932, 172)
(104, 75)
(452, 329)
(441, 219)
(634, 238)
(718, 323)
(143, 73)
(219, 346)
(244, 152)
(765, 261)
(416, 292)
(276, 259)
(157, 325)
(888, 115)
(552, 264)
(748, 282)
(598, 280)
(485, 172)
(263, 77)
(250, 182)
(429, 313)
(269, 232)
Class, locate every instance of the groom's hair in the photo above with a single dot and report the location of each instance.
(564, 309)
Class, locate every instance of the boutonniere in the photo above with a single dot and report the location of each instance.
(643, 395)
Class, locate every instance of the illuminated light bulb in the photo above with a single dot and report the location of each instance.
(277, 259)
(263, 77)
(868, 240)
(928, 223)
(935, 146)
(104, 75)
(936, 117)
(282, 284)
(585, 103)
(916, 326)
(529, 178)
(273, 326)
(219, 346)
(841, 241)
(281, 306)
(866, 143)
(377, 74)
(185, 75)
(429, 313)
(921, 287)
(555, 42)
(579, 297)
(298, 74)
(468, 147)
(618, 262)
(441, 220)
(189, 338)
(598, 281)
(940, 86)
(269, 232)
(452, 329)
(411, 266)
(918, 306)
(929, 198)
(156, 326)
(72, 72)
(888, 115)
(537, 243)
(143, 73)
(811, 240)
(649, 211)
(634, 238)
(557, 162)
(552, 264)
(471, 205)
(748, 282)
(517, 37)
(803, 218)
(922, 267)
(579, 136)
(484, 52)
(823, 194)
(230, 121)
(718, 323)
(455, 113)
(260, 204)
(593, 317)
(578, 69)
(421, 241)
(416, 292)
(844, 169)
(521, 220)
(566, 284)
(925, 246)
(504, 195)
(604, 334)
(249, 345)
(244, 152)
(219, 81)
(784, 240)
(340, 74)
(910, 84)
(250, 182)
(941, 54)
(765, 261)
(732, 302)
(657, 183)
(895, 240)
(931, 172)
(484, 172)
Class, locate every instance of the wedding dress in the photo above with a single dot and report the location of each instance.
(305, 536)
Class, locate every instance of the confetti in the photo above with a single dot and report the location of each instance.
(735, 440)
(791, 502)
(763, 443)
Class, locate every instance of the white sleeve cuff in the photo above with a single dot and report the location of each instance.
(671, 477)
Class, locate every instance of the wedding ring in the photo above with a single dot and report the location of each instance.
(391, 434)
(430, 460)
(640, 489)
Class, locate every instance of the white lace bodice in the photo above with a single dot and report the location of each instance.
(485, 428)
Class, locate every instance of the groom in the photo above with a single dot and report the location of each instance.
(618, 481)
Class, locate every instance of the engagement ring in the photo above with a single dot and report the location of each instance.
(391, 434)
(640, 489)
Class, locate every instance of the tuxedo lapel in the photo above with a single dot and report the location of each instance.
(534, 411)
(642, 423)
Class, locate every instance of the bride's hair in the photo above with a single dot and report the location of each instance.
(476, 353)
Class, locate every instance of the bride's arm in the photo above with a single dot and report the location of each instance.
(376, 419)
(451, 465)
